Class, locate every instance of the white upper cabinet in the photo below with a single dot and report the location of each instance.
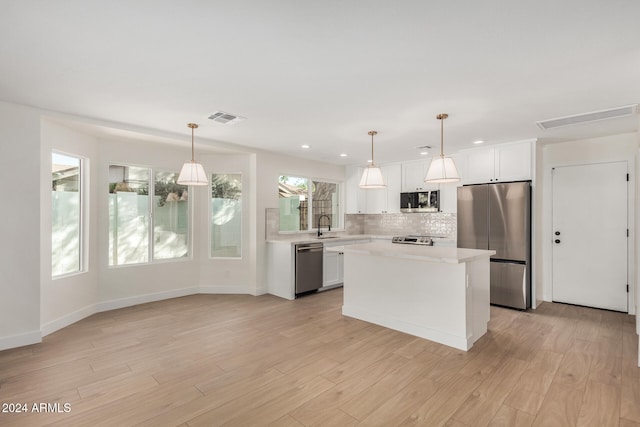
(505, 162)
(378, 200)
(413, 174)
(385, 200)
(393, 175)
(355, 197)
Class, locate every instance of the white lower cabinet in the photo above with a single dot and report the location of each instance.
(332, 268)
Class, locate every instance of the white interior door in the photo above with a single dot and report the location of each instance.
(590, 235)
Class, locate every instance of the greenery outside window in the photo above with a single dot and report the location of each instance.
(226, 215)
(66, 214)
(303, 205)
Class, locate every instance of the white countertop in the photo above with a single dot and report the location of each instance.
(295, 239)
(441, 254)
(298, 239)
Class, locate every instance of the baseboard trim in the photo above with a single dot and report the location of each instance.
(13, 341)
(143, 299)
(48, 328)
(240, 289)
(68, 319)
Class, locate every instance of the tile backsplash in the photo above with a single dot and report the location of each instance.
(430, 224)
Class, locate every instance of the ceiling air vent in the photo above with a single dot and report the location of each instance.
(226, 118)
(423, 147)
(610, 113)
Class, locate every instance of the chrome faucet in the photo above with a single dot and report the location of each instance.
(319, 218)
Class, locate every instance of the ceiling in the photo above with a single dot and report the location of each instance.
(325, 73)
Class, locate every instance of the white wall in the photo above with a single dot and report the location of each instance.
(68, 299)
(232, 275)
(19, 226)
(621, 147)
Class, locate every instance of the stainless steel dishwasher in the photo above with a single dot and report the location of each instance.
(309, 258)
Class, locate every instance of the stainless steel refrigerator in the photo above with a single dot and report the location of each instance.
(498, 217)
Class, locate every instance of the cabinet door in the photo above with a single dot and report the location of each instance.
(449, 197)
(449, 191)
(393, 177)
(376, 200)
(331, 268)
(355, 197)
(413, 174)
(513, 162)
(385, 200)
(479, 166)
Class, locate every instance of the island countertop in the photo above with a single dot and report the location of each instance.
(440, 254)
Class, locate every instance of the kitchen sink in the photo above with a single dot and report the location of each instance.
(327, 237)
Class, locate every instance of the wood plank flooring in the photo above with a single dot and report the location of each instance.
(238, 360)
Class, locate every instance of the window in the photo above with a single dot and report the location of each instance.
(295, 198)
(66, 214)
(131, 238)
(128, 215)
(170, 217)
(226, 215)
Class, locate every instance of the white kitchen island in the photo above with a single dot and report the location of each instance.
(437, 293)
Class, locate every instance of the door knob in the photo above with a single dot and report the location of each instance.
(557, 240)
(557, 233)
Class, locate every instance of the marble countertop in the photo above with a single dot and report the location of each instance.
(442, 254)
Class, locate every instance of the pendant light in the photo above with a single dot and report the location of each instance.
(442, 169)
(372, 175)
(192, 173)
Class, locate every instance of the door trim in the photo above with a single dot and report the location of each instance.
(544, 216)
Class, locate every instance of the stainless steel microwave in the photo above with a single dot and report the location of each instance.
(420, 201)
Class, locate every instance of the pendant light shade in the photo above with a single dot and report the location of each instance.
(192, 173)
(442, 169)
(372, 175)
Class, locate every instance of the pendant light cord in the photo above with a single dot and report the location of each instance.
(193, 155)
(441, 117)
(372, 132)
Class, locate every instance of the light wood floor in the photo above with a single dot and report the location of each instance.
(235, 360)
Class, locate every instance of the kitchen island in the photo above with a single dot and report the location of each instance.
(437, 293)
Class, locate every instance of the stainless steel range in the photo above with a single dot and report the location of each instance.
(413, 240)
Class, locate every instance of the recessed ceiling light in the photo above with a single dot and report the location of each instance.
(478, 142)
(369, 161)
(305, 146)
(424, 153)
(343, 155)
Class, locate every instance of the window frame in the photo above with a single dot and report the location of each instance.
(83, 258)
(310, 179)
(151, 220)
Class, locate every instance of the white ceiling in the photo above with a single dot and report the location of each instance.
(324, 73)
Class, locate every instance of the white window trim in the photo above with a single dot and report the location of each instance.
(83, 190)
(150, 213)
